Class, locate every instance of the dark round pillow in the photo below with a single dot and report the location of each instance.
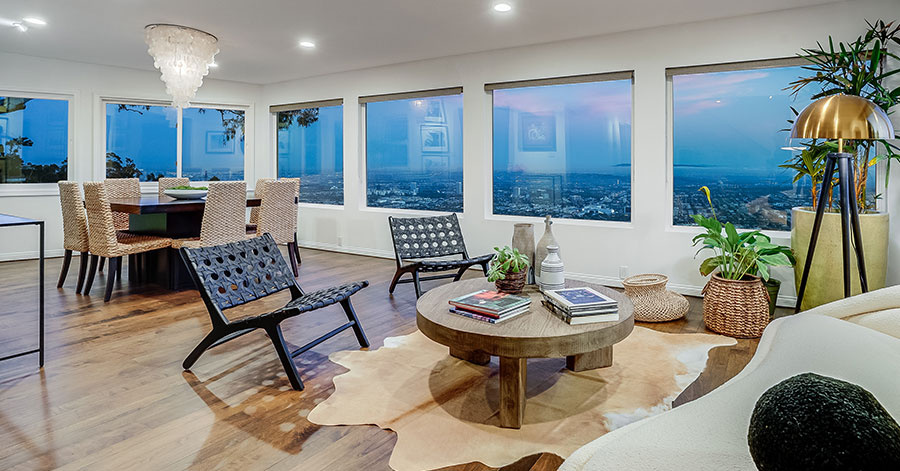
(813, 422)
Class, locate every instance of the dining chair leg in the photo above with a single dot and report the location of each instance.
(292, 254)
(67, 260)
(100, 267)
(139, 267)
(82, 270)
(297, 250)
(119, 269)
(111, 275)
(92, 270)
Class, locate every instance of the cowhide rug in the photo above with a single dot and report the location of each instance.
(444, 410)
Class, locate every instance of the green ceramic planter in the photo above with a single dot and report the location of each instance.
(826, 277)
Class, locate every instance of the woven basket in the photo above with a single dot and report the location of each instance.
(737, 308)
(652, 302)
(513, 283)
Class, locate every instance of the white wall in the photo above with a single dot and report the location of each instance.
(87, 84)
(592, 251)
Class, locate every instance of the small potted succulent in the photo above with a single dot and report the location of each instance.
(508, 269)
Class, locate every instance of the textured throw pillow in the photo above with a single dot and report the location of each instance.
(813, 422)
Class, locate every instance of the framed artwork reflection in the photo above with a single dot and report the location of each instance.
(435, 138)
(537, 133)
(434, 111)
(217, 142)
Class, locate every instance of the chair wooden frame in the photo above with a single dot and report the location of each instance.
(420, 245)
(233, 274)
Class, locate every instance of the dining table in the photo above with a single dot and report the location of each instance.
(165, 217)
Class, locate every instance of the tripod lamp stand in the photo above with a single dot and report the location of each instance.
(840, 117)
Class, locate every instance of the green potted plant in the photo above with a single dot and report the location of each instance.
(860, 67)
(508, 269)
(736, 302)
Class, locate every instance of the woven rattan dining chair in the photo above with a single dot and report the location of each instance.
(122, 188)
(105, 241)
(224, 216)
(171, 182)
(258, 192)
(278, 216)
(75, 231)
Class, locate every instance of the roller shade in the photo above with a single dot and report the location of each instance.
(408, 95)
(626, 75)
(306, 104)
(732, 66)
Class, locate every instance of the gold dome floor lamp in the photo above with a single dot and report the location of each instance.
(840, 117)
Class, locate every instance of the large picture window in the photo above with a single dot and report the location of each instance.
(414, 157)
(212, 144)
(311, 147)
(563, 149)
(727, 134)
(34, 140)
(142, 142)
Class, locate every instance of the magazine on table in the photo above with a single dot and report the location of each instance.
(582, 298)
(579, 320)
(490, 302)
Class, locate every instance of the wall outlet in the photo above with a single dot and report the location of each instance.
(623, 272)
(340, 241)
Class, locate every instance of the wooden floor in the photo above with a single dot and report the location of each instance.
(113, 395)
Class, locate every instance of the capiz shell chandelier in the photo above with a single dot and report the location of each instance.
(183, 56)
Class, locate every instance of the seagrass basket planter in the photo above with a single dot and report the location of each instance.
(514, 283)
(737, 308)
(652, 302)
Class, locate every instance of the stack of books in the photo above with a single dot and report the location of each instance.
(489, 306)
(581, 305)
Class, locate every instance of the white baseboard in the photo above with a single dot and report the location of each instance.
(30, 255)
(346, 249)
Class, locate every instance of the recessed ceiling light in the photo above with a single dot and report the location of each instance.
(20, 26)
(34, 21)
(307, 44)
(503, 7)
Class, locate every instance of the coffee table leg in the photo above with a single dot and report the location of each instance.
(477, 357)
(590, 360)
(512, 391)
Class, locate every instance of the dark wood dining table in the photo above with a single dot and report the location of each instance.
(165, 217)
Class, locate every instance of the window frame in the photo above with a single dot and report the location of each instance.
(735, 66)
(99, 167)
(303, 105)
(363, 161)
(489, 89)
(46, 189)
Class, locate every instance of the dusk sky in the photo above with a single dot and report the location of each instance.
(592, 121)
(730, 122)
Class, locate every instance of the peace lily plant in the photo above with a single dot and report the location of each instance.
(737, 255)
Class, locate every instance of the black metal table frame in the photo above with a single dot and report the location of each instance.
(40, 349)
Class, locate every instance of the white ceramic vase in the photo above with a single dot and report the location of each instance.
(553, 274)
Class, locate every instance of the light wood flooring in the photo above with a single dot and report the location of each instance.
(113, 395)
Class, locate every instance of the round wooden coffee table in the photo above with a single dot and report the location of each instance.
(535, 334)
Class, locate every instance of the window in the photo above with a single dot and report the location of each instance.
(142, 142)
(727, 135)
(563, 149)
(212, 144)
(414, 151)
(34, 140)
(311, 147)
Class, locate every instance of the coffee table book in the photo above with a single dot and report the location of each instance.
(572, 319)
(491, 320)
(490, 303)
(579, 299)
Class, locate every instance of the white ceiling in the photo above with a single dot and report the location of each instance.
(258, 39)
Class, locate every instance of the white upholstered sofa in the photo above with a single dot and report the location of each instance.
(856, 340)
